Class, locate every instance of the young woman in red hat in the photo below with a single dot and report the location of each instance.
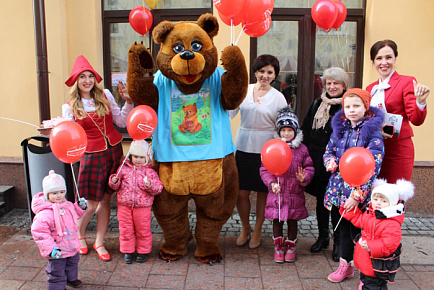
(95, 109)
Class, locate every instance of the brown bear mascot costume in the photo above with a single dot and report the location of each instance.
(192, 142)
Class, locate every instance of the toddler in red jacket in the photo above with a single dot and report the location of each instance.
(136, 184)
(378, 247)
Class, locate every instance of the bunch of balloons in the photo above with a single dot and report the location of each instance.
(357, 165)
(276, 156)
(255, 15)
(329, 14)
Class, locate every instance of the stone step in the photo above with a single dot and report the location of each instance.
(6, 199)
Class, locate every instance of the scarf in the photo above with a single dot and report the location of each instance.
(322, 114)
(58, 208)
(378, 94)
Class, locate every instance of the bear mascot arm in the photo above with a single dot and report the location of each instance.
(194, 156)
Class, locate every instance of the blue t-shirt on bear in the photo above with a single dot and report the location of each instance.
(191, 127)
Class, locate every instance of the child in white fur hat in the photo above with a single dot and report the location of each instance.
(136, 184)
(55, 231)
(377, 251)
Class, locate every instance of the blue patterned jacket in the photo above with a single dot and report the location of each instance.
(366, 133)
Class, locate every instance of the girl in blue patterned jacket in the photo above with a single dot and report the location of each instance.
(356, 125)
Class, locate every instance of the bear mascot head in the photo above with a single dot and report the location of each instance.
(192, 142)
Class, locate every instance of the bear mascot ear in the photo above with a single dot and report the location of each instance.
(161, 31)
(209, 23)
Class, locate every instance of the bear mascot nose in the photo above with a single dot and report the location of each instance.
(187, 55)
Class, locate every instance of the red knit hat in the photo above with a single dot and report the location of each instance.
(80, 65)
(362, 94)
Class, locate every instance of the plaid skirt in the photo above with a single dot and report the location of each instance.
(95, 170)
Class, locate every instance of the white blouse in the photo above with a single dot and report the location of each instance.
(258, 121)
(119, 116)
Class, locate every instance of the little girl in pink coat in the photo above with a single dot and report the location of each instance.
(136, 184)
(289, 189)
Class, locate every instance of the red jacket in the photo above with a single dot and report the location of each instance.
(383, 235)
(400, 99)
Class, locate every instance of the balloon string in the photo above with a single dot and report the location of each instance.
(348, 64)
(232, 32)
(75, 182)
(333, 47)
(242, 30)
(339, 221)
(19, 121)
(119, 170)
(278, 196)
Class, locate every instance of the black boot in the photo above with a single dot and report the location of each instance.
(336, 254)
(322, 215)
(128, 258)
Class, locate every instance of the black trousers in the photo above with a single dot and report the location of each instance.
(372, 283)
(347, 234)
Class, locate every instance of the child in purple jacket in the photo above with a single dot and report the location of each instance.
(288, 193)
(55, 231)
(136, 185)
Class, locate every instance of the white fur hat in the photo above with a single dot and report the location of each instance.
(53, 182)
(402, 190)
(140, 148)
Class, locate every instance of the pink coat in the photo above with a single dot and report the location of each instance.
(131, 189)
(55, 225)
(292, 199)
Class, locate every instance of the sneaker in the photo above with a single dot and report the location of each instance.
(128, 258)
(141, 258)
(74, 284)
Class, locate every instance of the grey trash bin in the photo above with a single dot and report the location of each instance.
(38, 161)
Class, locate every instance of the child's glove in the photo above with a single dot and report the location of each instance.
(55, 254)
(82, 203)
(146, 181)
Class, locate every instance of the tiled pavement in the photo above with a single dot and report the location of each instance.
(22, 267)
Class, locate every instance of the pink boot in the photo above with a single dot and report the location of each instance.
(345, 270)
(290, 250)
(278, 250)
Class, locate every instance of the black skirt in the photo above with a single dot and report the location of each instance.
(248, 171)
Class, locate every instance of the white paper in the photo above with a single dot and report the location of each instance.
(395, 120)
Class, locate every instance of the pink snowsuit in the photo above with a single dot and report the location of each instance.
(134, 206)
(55, 225)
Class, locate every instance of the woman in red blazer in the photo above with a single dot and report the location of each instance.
(400, 95)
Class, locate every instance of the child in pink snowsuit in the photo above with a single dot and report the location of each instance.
(136, 185)
(288, 193)
(55, 231)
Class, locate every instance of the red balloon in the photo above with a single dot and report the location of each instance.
(257, 29)
(255, 11)
(324, 13)
(276, 156)
(141, 122)
(141, 19)
(357, 165)
(237, 19)
(229, 8)
(68, 141)
(342, 14)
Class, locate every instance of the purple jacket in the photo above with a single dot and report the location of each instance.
(55, 225)
(365, 134)
(292, 199)
(131, 189)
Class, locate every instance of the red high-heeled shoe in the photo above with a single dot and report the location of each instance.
(104, 257)
(83, 251)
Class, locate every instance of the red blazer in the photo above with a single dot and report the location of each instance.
(400, 99)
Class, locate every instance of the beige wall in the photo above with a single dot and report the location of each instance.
(75, 27)
(409, 24)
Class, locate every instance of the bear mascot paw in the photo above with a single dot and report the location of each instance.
(192, 142)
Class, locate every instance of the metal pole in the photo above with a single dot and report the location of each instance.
(41, 60)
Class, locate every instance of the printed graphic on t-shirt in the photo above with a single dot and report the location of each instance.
(191, 117)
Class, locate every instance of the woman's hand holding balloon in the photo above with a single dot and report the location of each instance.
(421, 92)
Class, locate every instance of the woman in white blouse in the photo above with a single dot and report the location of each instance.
(258, 115)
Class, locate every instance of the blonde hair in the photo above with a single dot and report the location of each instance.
(102, 105)
(337, 74)
(379, 195)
